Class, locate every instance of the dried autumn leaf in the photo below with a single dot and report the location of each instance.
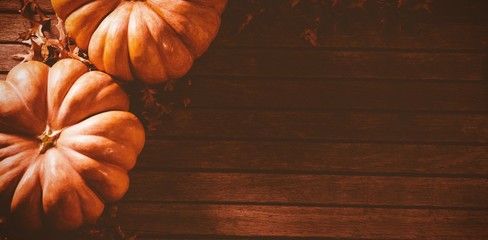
(31, 11)
(24, 57)
(424, 6)
(358, 4)
(169, 86)
(46, 49)
(152, 110)
(63, 38)
(311, 36)
(33, 54)
(246, 22)
(148, 96)
(294, 3)
(401, 3)
(335, 3)
(186, 102)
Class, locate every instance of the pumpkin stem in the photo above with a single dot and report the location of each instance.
(48, 139)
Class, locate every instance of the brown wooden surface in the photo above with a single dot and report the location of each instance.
(309, 189)
(315, 157)
(369, 135)
(298, 221)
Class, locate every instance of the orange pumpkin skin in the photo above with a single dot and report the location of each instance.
(66, 144)
(150, 40)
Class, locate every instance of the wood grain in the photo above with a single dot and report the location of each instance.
(330, 94)
(308, 189)
(11, 25)
(313, 157)
(6, 53)
(369, 135)
(340, 64)
(326, 64)
(357, 223)
(458, 11)
(467, 37)
(326, 126)
(363, 35)
(12, 6)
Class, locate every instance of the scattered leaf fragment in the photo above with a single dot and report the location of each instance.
(294, 3)
(311, 36)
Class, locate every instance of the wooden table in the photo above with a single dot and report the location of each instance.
(372, 134)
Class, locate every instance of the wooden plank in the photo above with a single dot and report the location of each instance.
(7, 51)
(11, 25)
(329, 94)
(429, 36)
(335, 94)
(326, 126)
(326, 64)
(13, 6)
(460, 11)
(357, 223)
(311, 157)
(445, 36)
(268, 62)
(14, 24)
(308, 189)
(306, 94)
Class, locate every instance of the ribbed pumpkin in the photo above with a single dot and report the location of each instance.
(66, 144)
(150, 40)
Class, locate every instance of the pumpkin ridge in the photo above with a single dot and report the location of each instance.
(8, 191)
(128, 119)
(53, 77)
(13, 177)
(108, 61)
(86, 40)
(32, 115)
(11, 160)
(154, 41)
(132, 67)
(71, 7)
(26, 181)
(67, 151)
(61, 144)
(175, 57)
(109, 164)
(92, 87)
(102, 50)
(70, 192)
(208, 8)
(62, 150)
(162, 15)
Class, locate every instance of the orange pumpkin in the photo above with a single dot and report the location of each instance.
(150, 40)
(66, 144)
